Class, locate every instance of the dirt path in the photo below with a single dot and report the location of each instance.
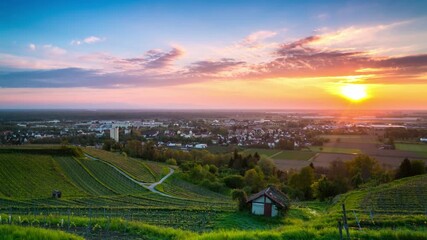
(272, 156)
(149, 186)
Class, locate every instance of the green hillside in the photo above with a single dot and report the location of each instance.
(408, 195)
(33, 176)
(139, 170)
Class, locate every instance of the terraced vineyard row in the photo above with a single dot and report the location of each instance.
(177, 187)
(135, 168)
(195, 220)
(112, 178)
(32, 176)
(408, 195)
(404, 196)
(81, 177)
(146, 200)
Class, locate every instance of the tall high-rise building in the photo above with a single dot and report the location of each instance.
(114, 133)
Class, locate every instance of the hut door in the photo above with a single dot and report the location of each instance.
(267, 209)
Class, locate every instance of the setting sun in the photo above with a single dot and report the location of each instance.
(354, 92)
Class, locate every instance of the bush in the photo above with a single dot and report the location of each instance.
(241, 197)
(171, 161)
(234, 181)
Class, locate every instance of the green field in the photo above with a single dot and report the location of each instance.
(278, 154)
(419, 148)
(335, 150)
(351, 138)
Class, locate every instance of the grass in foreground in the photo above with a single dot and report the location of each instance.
(9, 232)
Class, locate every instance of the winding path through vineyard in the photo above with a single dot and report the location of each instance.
(149, 186)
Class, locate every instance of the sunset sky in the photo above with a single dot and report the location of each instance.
(213, 54)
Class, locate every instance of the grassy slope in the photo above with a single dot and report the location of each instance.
(9, 232)
(111, 178)
(81, 177)
(33, 176)
(138, 169)
(408, 195)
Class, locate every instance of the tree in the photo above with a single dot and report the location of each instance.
(303, 180)
(254, 180)
(234, 181)
(364, 165)
(107, 144)
(324, 189)
(241, 197)
(267, 166)
(134, 148)
(285, 144)
(404, 170)
(418, 167)
(171, 161)
(410, 168)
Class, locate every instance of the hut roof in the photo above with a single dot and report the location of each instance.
(274, 194)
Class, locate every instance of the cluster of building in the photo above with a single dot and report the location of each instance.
(199, 133)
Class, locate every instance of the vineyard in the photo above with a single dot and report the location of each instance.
(33, 176)
(404, 196)
(92, 188)
(101, 201)
(138, 169)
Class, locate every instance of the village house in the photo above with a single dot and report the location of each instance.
(269, 202)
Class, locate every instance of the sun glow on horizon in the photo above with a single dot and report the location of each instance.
(354, 92)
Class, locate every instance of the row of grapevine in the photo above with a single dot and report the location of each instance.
(133, 167)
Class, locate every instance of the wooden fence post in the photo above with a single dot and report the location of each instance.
(340, 229)
(345, 221)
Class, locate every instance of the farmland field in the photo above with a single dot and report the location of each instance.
(277, 154)
(351, 138)
(335, 150)
(420, 149)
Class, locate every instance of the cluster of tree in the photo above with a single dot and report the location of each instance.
(286, 144)
(79, 140)
(319, 141)
(403, 133)
(340, 177)
(148, 150)
(410, 168)
(251, 173)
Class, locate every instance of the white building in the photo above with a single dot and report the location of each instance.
(201, 146)
(114, 133)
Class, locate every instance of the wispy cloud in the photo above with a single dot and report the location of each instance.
(88, 40)
(32, 46)
(54, 50)
(211, 67)
(254, 39)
